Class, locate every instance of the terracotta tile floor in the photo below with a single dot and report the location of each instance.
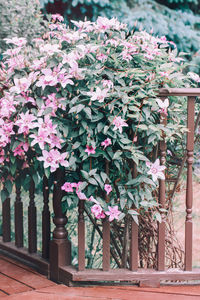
(20, 282)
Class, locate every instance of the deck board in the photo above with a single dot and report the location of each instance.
(19, 282)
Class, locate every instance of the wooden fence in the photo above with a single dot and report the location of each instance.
(55, 258)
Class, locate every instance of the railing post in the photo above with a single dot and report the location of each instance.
(161, 226)
(60, 247)
(189, 192)
(81, 236)
(6, 224)
(32, 220)
(45, 220)
(18, 219)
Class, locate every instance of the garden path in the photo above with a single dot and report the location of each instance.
(18, 282)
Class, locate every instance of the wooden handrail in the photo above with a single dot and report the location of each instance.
(179, 92)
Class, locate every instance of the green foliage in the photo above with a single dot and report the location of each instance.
(80, 88)
(20, 18)
(181, 27)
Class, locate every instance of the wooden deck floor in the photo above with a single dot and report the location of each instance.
(20, 282)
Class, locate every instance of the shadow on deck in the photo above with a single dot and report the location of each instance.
(19, 282)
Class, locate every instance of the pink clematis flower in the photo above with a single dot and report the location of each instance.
(163, 105)
(113, 213)
(53, 158)
(67, 187)
(90, 150)
(107, 142)
(25, 122)
(99, 94)
(98, 211)
(156, 170)
(41, 139)
(108, 188)
(21, 85)
(107, 83)
(119, 123)
(102, 57)
(16, 41)
(58, 17)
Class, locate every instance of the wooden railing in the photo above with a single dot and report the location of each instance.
(55, 259)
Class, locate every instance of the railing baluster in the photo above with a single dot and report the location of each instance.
(32, 220)
(81, 236)
(106, 235)
(45, 220)
(189, 192)
(6, 222)
(134, 235)
(60, 246)
(161, 226)
(19, 242)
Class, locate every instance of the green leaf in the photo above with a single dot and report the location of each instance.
(133, 212)
(92, 181)
(104, 176)
(122, 202)
(92, 172)
(9, 185)
(121, 216)
(85, 174)
(4, 195)
(117, 155)
(82, 186)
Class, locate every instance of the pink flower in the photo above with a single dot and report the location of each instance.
(49, 78)
(99, 94)
(156, 170)
(67, 187)
(75, 71)
(97, 210)
(25, 122)
(107, 83)
(41, 139)
(163, 105)
(119, 123)
(107, 142)
(18, 150)
(53, 158)
(90, 150)
(50, 49)
(113, 213)
(16, 41)
(21, 85)
(108, 188)
(81, 195)
(57, 17)
(102, 57)
(2, 157)
(74, 184)
(55, 141)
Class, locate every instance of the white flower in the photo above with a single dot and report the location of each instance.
(163, 105)
(156, 170)
(119, 123)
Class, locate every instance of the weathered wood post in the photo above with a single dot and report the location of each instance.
(60, 246)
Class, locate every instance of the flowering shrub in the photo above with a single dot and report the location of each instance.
(87, 102)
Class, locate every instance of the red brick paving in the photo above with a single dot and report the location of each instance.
(18, 282)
